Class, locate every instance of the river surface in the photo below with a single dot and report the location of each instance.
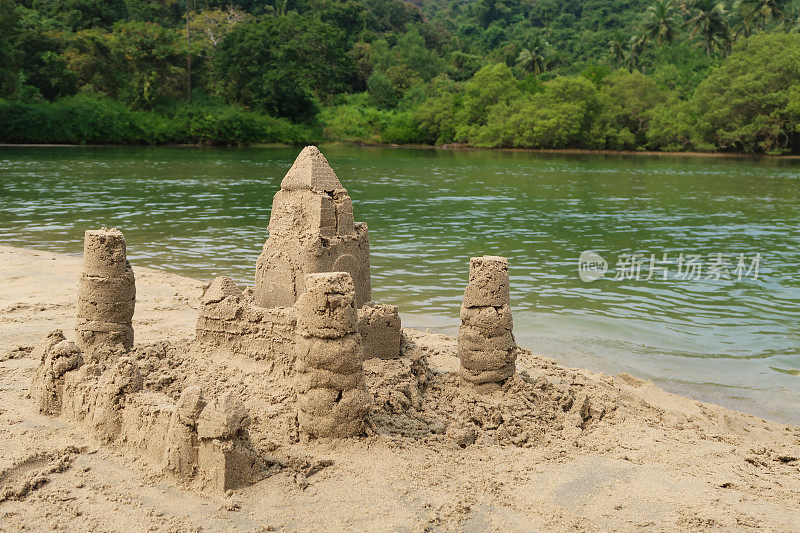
(721, 328)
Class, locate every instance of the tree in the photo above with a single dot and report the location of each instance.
(139, 63)
(381, 90)
(636, 46)
(34, 65)
(412, 53)
(532, 57)
(751, 102)
(709, 20)
(8, 28)
(282, 65)
(435, 118)
(660, 23)
(210, 26)
(761, 10)
(625, 100)
(617, 46)
(743, 19)
(491, 85)
(557, 117)
(78, 15)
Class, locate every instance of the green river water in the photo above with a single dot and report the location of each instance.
(204, 212)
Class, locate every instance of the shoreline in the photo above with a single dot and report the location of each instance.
(453, 147)
(625, 455)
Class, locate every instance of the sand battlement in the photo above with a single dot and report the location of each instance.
(228, 319)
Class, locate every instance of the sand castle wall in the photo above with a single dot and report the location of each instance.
(106, 294)
(229, 320)
(196, 440)
(486, 346)
(380, 330)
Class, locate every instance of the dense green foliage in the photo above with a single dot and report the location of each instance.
(596, 74)
(81, 120)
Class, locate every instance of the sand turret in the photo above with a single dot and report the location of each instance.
(225, 457)
(486, 345)
(106, 294)
(311, 229)
(331, 396)
(57, 356)
(180, 456)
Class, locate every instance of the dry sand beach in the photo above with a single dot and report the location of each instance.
(559, 449)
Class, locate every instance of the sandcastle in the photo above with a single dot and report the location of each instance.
(309, 321)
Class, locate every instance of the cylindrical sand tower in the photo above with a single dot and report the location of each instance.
(331, 396)
(486, 344)
(106, 294)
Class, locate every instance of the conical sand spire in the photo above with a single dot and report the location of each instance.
(311, 230)
(311, 171)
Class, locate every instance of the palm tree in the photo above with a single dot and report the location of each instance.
(791, 22)
(531, 58)
(763, 10)
(660, 23)
(617, 46)
(636, 48)
(709, 20)
(744, 16)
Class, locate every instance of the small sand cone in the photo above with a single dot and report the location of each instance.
(486, 345)
(106, 295)
(331, 396)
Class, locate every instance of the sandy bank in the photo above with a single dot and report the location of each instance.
(620, 454)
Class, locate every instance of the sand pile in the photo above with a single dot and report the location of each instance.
(413, 401)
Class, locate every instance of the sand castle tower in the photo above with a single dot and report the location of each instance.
(311, 229)
(486, 345)
(331, 396)
(106, 294)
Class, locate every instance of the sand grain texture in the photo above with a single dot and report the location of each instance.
(557, 449)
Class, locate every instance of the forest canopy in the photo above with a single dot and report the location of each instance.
(597, 74)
